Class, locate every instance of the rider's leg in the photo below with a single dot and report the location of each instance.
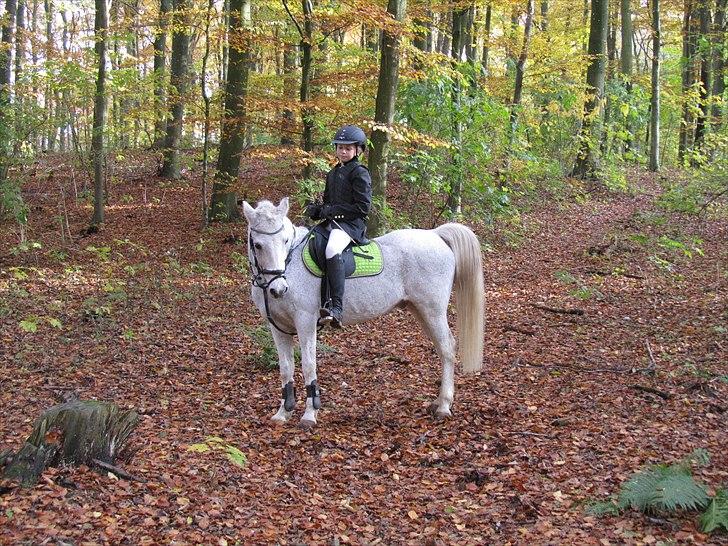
(338, 241)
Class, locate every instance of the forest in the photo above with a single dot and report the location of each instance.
(584, 143)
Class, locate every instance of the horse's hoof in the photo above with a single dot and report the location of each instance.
(306, 424)
(437, 412)
(279, 418)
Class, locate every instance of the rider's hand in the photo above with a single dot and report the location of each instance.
(313, 211)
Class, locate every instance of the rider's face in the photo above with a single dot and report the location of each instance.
(346, 152)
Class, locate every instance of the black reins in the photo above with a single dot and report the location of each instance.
(258, 277)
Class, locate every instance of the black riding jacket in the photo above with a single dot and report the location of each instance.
(348, 198)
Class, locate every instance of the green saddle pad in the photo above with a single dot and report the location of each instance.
(368, 260)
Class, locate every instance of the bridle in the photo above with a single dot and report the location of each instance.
(259, 280)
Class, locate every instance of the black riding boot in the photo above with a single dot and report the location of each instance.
(336, 276)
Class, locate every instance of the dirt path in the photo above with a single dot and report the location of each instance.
(159, 320)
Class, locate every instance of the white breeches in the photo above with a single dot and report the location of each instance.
(338, 241)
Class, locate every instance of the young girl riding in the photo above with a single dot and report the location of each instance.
(346, 203)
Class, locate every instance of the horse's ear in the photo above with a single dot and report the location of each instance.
(283, 206)
(248, 211)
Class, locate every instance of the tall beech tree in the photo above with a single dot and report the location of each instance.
(655, 99)
(179, 83)
(520, 71)
(160, 74)
(101, 26)
(586, 159)
(720, 45)
(384, 115)
(223, 205)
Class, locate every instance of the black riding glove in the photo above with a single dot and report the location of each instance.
(313, 211)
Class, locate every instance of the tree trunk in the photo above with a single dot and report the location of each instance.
(305, 95)
(101, 26)
(586, 160)
(384, 116)
(206, 99)
(179, 81)
(288, 118)
(688, 76)
(720, 35)
(705, 87)
(626, 60)
(544, 15)
(486, 38)
(655, 101)
(454, 200)
(223, 206)
(81, 432)
(6, 65)
(160, 78)
(520, 71)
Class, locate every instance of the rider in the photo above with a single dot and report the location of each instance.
(346, 203)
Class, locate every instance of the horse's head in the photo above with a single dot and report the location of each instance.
(270, 236)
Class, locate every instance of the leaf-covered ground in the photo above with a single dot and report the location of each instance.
(154, 314)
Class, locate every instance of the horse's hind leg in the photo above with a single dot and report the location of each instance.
(284, 346)
(436, 327)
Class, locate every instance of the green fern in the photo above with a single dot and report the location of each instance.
(663, 488)
(717, 513)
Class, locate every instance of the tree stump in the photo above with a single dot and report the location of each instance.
(78, 432)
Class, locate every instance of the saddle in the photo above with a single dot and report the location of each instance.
(359, 260)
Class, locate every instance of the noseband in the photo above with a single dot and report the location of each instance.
(258, 277)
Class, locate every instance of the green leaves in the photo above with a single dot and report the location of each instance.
(663, 488)
(215, 443)
(717, 513)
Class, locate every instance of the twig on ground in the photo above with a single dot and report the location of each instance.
(118, 471)
(557, 310)
(528, 433)
(712, 200)
(662, 394)
(517, 362)
(608, 273)
(518, 329)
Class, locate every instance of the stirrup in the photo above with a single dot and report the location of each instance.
(327, 318)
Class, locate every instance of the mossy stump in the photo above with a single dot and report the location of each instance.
(78, 432)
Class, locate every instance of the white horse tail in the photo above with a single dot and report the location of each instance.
(469, 293)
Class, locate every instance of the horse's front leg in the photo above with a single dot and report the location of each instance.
(307, 337)
(284, 346)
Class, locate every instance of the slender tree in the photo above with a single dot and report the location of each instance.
(160, 71)
(704, 89)
(655, 100)
(223, 206)
(520, 70)
(720, 40)
(688, 79)
(8, 33)
(384, 113)
(626, 57)
(101, 25)
(486, 37)
(179, 82)
(454, 200)
(586, 159)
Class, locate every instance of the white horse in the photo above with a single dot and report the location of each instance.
(421, 267)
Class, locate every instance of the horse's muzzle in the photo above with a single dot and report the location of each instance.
(278, 290)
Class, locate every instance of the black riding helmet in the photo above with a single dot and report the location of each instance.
(350, 134)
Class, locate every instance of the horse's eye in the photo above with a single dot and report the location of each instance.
(285, 242)
(258, 246)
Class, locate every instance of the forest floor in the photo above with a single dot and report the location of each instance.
(155, 314)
